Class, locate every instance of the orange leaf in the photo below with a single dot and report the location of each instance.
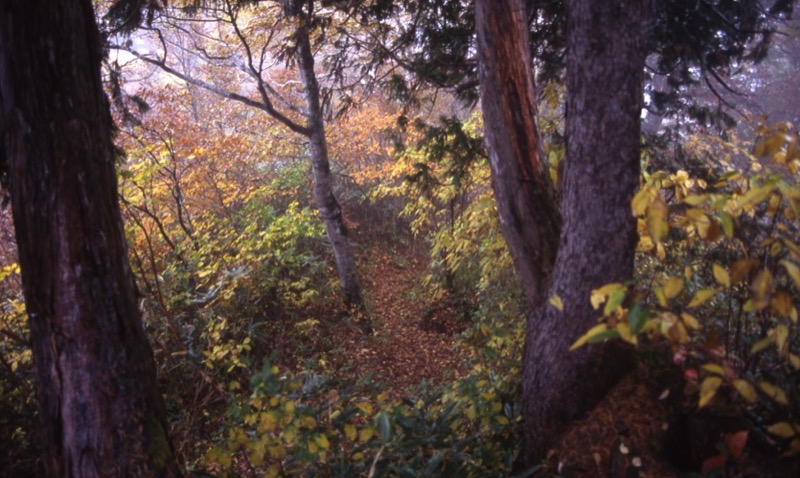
(736, 442)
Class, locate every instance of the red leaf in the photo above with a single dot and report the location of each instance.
(713, 463)
(690, 374)
(736, 442)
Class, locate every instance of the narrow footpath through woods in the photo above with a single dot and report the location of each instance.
(410, 344)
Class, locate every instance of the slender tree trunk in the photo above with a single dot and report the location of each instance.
(328, 206)
(605, 63)
(100, 410)
(525, 198)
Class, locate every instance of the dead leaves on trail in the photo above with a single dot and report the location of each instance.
(404, 350)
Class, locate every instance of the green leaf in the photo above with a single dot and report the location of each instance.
(600, 295)
(596, 330)
(603, 336)
(637, 318)
(384, 427)
(727, 224)
(614, 301)
(756, 195)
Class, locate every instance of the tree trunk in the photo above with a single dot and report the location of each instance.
(328, 206)
(525, 197)
(100, 410)
(605, 63)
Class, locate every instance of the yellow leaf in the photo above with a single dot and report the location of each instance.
(657, 219)
(256, 453)
(308, 422)
(781, 304)
(762, 344)
(782, 429)
(721, 275)
(701, 297)
(597, 329)
(794, 448)
(365, 407)
(289, 434)
(661, 252)
(795, 360)
(756, 195)
(600, 295)
(781, 339)
(661, 296)
(774, 392)
(745, 390)
(677, 333)
(761, 289)
(741, 268)
(365, 434)
(690, 321)
(793, 270)
(640, 202)
(794, 249)
(625, 333)
(322, 441)
(555, 301)
(350, 432)
(714, 368)
(696, 199)
(267, 422)
(672, 287)
(708, 389)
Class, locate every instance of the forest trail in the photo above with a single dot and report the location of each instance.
(406, 347)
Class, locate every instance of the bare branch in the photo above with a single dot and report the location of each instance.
(264, 105)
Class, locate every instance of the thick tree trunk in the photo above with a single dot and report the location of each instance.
(605, 62)
(99, 407)
(328, 206)
(525, 197)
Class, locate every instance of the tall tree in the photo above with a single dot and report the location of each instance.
(606, 45)
(526, 202)
(246, 43)
(100, 410)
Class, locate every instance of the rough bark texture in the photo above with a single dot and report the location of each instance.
(605, 62)
(328, 206)
(99, 407)
(525, 199)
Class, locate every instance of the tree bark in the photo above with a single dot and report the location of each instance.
(100, 410)
(524, 194)
(605, 63)
(328, 206)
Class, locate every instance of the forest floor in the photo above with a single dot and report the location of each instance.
(411, 341)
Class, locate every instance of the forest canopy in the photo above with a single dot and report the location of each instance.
(399, 238)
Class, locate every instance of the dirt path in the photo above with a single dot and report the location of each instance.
(404, 350)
